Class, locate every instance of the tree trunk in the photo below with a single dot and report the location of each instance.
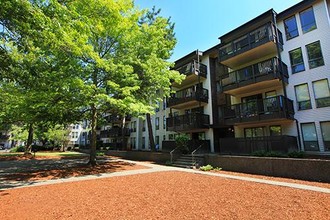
(151, 135)
(92, 155)
(30, 139)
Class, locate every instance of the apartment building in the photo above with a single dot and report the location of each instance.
(264, 87)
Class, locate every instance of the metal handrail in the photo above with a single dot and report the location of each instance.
(171, 153)
(193, 153)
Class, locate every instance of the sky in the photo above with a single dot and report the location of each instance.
(199, 23)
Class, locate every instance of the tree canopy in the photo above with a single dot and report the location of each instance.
(63, 61)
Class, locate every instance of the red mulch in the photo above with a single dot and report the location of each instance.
(163, 195)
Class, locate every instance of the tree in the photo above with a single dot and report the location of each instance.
(123, 58)
(59, 135)
(70, 60)
(33, 81)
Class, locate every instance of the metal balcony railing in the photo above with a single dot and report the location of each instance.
(262, 71)
(189, 94)
(257, 110)
(255, 38)
(193, 68)
(187, 122)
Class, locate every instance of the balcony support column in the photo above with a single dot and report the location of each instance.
(279, 54)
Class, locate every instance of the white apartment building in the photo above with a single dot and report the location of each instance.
(264, 87)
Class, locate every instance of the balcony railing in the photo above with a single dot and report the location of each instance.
(4, 137)
(187, 95)
(115, 132)
(247, 146)
(259, 36)
(257, 110)
(193, 68)
(116, 118)
(191, 121)
(265, 70)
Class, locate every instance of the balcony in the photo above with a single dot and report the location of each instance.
(193, 72)
(247, 146)
(115, 132)
(116, 118)
(4, 137)
(259, 43)
(189, 97)
(270, 109)
(264, 75)
(188, 122)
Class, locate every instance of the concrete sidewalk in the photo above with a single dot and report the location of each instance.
(155, 168)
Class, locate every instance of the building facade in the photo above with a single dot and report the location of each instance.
(264, 87)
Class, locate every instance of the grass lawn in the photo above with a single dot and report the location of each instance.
(47, 154)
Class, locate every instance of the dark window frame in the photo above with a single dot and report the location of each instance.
(312, 60)
(314, 142)
(322, 101)
(287, 32)
(326, 145)
(307, 102)
(294, 65)
(311, 24)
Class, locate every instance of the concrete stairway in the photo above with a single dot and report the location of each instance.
(186, 161)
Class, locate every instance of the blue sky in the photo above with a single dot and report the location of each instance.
(199, 23)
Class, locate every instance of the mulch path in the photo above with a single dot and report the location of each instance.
(163, 195)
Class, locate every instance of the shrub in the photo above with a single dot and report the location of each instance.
(100, 154)
(296, 154)
(206, 168)
(181, 141)
(262, 153)
(17, 149)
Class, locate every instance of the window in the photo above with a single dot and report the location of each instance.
(157, 123)
(133, 126)
(254, 132)
(303, 98)
(309, 137)
(157, 140)
(314, 53)
(297, 61)
(157, 108)
(164, 104)
(144, 125)
(321, 93)
(164, 137)
(143, 142)
(307, 20)
(291, 29)
(275, 130)
(164, 122)
(325, 128)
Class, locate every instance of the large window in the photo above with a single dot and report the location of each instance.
(303, 98)
(309, 137)
(314, 53)
(291, 29)
(143, 142)
(254, 132)
(325, 128)
(297, 61)
(321, 93)
(144, 125)
(307, 20)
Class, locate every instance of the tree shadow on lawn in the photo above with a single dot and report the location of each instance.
(78, 170)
